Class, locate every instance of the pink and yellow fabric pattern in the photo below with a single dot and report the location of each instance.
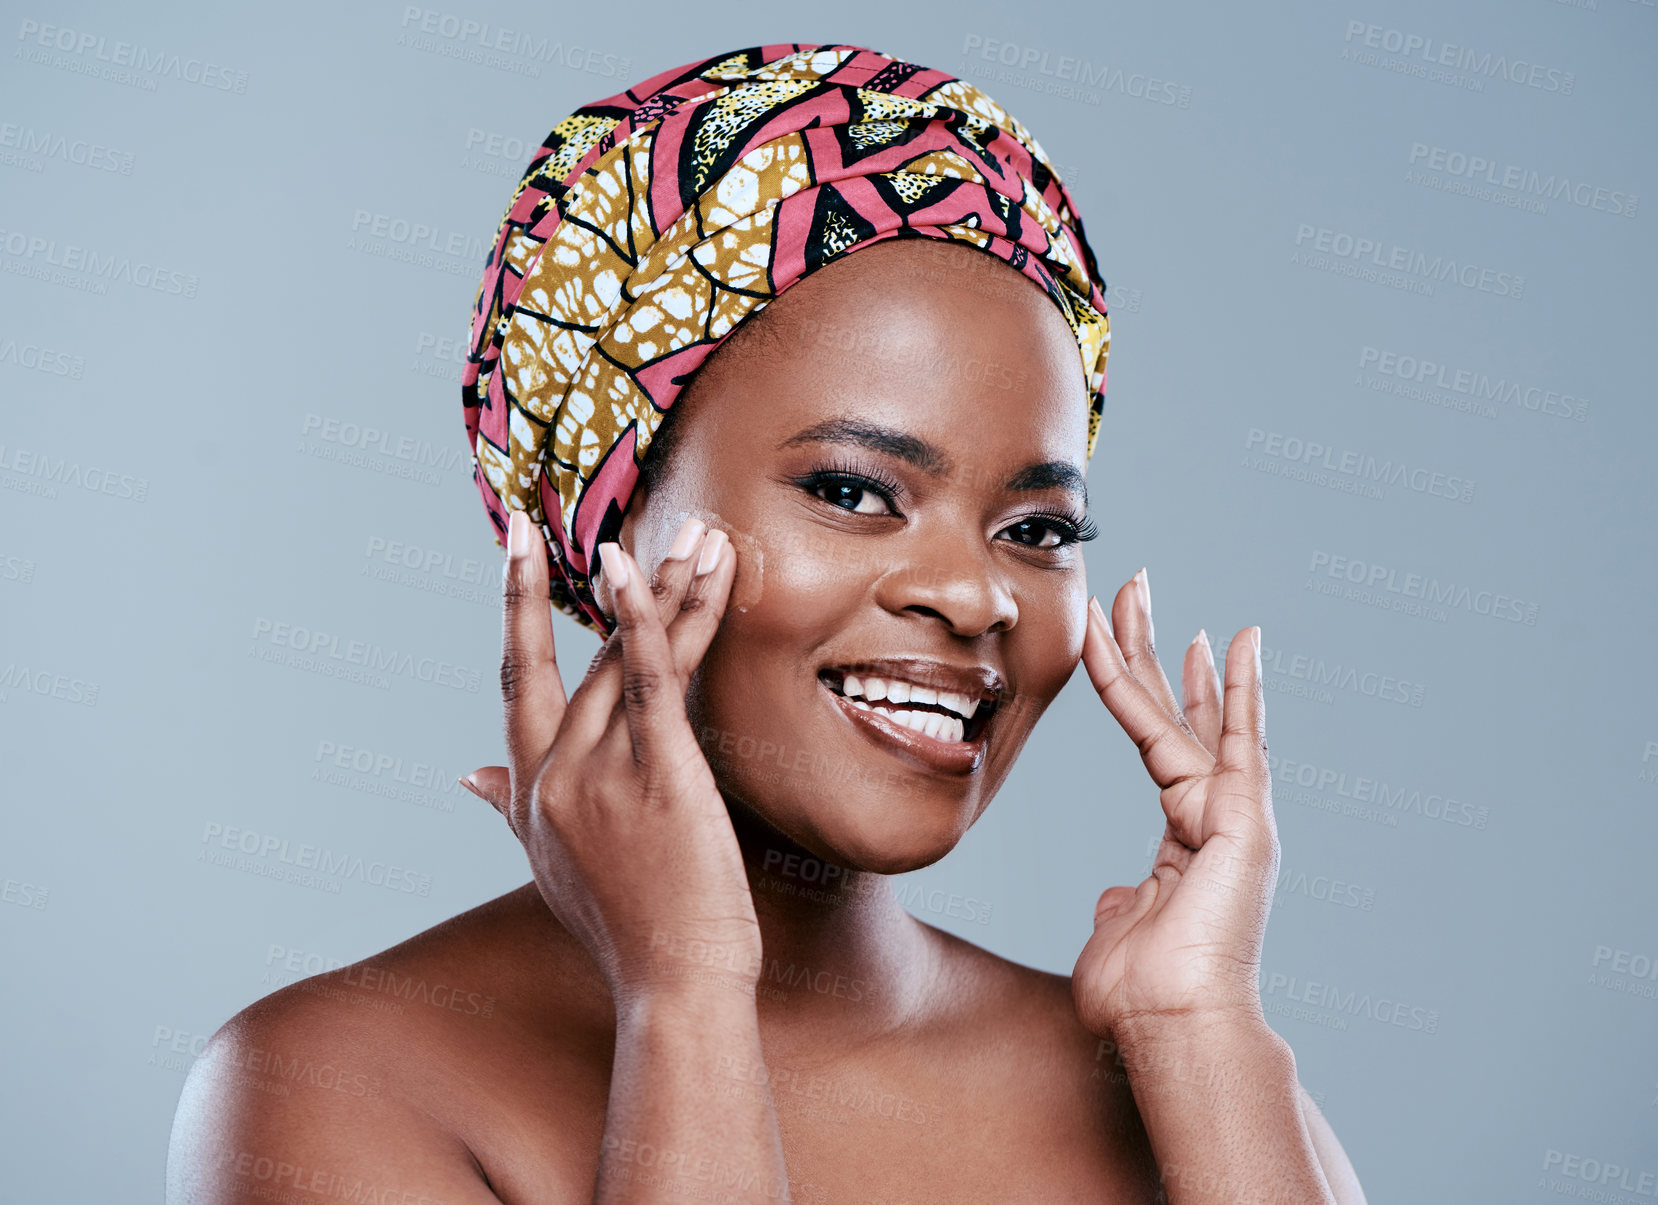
(650, 224)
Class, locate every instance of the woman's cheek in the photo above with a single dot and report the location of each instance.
(748, 587)
(1056, 600)
(1055, 622)
(1074, 624)
(769, 559)
(801, 575)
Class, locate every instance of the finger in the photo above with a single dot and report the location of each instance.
(598, 699)
(676, 577)
(1200, 687)
(492, 784)
(1131, 621)
(693, 594)
(1112, 899)
(1243, 739)
(690, 631)
(673, 574)
(1243, 725)
(1171, 754)
(702, 609)
(1171, 851)
(532, 692)
(1128, 906)
(653, 692)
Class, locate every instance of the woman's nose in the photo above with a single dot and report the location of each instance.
(953, 577)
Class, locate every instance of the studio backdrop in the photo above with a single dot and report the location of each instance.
(1382, 314)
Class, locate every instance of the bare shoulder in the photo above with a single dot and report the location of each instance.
(1034, 1010)
(1034, 1007)
(1040, 1061)
(368, 1081)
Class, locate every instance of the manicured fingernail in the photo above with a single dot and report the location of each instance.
(466, 781)
(614, 565)
(518, 534)
(689, 533)
(1145, 591)
(1105, 621)
(1255, 639)
(711, 551)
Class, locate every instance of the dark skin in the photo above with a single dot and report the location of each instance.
(690, 993)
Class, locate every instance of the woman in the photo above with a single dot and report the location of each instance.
(836, 504)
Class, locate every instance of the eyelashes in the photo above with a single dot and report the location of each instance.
(1070, 527)
(1077, 529)
(846, 476)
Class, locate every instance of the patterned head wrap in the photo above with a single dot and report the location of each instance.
(650, 224)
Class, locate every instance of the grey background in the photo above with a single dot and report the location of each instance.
(221, 506)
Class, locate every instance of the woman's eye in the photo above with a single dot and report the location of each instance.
(1039, 533)
(861, 496)
(850, 495)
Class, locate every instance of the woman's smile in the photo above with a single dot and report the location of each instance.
(930, 711)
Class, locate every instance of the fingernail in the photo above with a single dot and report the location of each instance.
(615, 567)
(689, 533)
(1199, 638)
(466, 781)
(711, 551)
(1255, 639)
(1145, 590)
(518, 534)
(1105, 622)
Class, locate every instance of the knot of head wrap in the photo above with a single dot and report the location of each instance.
(650, 224)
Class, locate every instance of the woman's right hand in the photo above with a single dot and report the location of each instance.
(609, 792)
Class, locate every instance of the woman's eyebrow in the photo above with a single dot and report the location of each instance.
(1045, 475)
(1048, 475)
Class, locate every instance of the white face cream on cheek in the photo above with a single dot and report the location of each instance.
(749, 585)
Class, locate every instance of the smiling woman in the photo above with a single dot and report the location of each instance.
(835, 514)
(908, 530)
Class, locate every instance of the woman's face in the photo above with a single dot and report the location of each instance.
(896, 447)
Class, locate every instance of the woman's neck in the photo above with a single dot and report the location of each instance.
(840, 952)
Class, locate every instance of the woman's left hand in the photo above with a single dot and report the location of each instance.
(1185, 945)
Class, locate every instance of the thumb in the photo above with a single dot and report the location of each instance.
(492, 784)
(1112, 899)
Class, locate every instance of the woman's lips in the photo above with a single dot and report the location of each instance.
(949, 757)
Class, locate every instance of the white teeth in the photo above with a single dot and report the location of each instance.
(921, 721)
(931, 723)
(895, 690)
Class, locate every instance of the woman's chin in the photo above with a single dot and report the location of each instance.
(880, 832)
(882, 846)
(892, 862)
